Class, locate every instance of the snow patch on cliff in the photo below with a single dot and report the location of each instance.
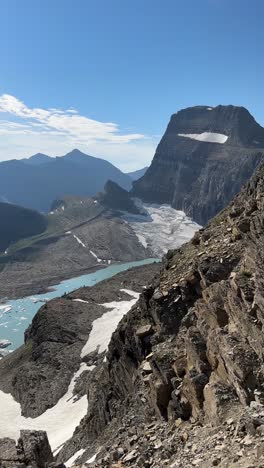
(104, 326)
(208, 137)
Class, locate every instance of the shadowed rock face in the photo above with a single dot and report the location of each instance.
(201, 177)
(117, 198)
(32, 450)
(17, 223)
(191, 349)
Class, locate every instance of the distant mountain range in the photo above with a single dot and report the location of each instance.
(35, 182)
(203, 159)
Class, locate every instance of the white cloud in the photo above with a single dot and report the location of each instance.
(25, 131)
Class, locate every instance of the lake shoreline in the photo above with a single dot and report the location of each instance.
(20, 313)
(48, 285)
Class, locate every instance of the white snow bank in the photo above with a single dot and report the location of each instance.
(163, 228)
(208, 137)
(59, 421)
(71, 460)
(92, 459)
(79, 240)
(104, 326)
(95, 256)
(80, 300)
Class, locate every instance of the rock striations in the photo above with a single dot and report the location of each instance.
(189, 355)
(203, 159)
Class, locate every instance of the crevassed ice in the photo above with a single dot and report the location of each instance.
(161, 228)
(208, 137)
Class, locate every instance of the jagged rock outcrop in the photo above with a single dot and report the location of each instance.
(32, 449)
(117, 198)
(191, 350)
(203, 160)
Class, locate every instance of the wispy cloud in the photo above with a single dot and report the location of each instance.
(26, 130)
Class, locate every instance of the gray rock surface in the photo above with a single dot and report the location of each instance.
(32, 449)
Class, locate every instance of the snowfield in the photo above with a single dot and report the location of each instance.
(61, 420)
(206, 136)
(162, 228)
(104, 326)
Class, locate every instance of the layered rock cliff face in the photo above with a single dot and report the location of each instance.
(189, 353)
(203, 159)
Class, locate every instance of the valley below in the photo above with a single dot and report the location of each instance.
(84, 236)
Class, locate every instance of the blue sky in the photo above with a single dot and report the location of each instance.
(105, 75)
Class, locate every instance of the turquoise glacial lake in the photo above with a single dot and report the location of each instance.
(16, 315)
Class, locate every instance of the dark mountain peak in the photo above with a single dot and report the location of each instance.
(203, 159)
(117, 198)
(37, 159)
(37, 181)
(75, 153)
(234, 122)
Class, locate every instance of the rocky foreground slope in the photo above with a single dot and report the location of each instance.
(203, 160)
(183, 384)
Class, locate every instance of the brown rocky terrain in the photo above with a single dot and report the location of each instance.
(183, 384)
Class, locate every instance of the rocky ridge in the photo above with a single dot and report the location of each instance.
(184, 371)
(32, 449)
(203, 160)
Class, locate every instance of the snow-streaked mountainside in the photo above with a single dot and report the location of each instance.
(85, 233)
(37, 181)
